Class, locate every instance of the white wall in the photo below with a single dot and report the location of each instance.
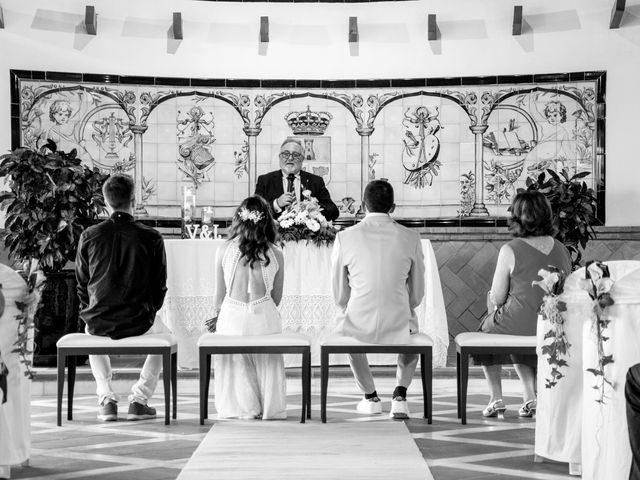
(310, 41)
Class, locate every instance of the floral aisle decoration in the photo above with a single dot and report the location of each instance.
(25, 323)
(598, 284)
(551, 310)
(304, 221)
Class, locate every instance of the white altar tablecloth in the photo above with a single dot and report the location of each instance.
(307, 304)
(15, 427)
(571, 425)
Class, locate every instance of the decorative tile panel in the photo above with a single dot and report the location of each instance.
(458, 147)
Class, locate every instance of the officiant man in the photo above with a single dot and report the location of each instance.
(283, 187)
(377, 270)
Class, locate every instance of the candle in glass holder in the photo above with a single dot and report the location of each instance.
(207, 215)
(188, 203)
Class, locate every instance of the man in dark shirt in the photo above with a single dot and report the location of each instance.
(121, 271)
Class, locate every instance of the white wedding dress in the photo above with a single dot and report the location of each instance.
(249, 385)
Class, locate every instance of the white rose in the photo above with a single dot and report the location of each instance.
(604, 285)
(286, 223)
(595, 272)
(548, 280)
(306, 193)
(313, 225)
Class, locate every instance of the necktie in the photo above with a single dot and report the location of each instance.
(290, 178)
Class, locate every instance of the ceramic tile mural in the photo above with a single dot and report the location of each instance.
(453, 151)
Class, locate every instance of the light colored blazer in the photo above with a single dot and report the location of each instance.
(378, 280)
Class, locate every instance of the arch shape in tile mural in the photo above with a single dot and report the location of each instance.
(454, 149)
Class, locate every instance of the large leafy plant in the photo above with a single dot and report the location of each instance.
(574, 204)
(52, 199)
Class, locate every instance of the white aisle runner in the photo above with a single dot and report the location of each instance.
(279, 450)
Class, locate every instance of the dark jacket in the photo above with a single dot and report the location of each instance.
(269, 186)
(121, 270)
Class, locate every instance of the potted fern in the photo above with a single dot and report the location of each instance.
(574, 204)
(52, 198)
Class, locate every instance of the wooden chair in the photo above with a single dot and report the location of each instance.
(473, 343)
(420, 344)
(75, 344)
(217, 344)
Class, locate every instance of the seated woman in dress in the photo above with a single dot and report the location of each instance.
(249, 277)
(513, 300)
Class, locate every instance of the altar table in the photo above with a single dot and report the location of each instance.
(307, 305)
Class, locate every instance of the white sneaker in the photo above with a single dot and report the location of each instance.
(399, 409)
(371, 406)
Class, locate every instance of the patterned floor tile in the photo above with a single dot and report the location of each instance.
(149, 450)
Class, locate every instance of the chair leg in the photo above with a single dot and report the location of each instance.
(166, 379)
(324, 383)
(61, 360)
(207, 380)
(427, 384)
(305, 380)
(71, 380)
(423, 378)
(464, 380)
(458, 389)
(204, 393)
(174, 383)
(309, 384)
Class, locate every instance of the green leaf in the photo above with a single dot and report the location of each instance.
(606, 360)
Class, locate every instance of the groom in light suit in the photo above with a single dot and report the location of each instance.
(378, 281)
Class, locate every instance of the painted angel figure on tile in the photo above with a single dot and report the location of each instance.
(421, 146)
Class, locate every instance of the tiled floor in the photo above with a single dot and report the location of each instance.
(149, 450)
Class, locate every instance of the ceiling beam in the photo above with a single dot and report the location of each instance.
(177, 26)
(616, 13)
(264, 29)
(354, 36)
(90, 20)
(517, 20)
(432, 32)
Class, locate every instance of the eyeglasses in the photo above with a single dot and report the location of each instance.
(285, 155)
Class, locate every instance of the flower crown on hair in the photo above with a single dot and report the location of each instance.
(247, 215)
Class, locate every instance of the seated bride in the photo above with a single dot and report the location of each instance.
(249, 277)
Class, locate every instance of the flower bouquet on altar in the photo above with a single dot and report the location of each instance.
(551, 311)
(303, 220)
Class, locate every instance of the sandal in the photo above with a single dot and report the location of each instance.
(495, 409)
(528, 409)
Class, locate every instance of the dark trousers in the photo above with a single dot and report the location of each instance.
(632, 395)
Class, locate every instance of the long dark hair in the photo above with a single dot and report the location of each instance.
(256, 231)
(531, 215)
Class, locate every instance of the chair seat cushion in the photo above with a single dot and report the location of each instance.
(416, 340)
(85, 340)
(273, 340)
(479, 339)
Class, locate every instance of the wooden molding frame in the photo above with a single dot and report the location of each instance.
(264, 29)
(354, 36)
(517, 20)
(176, 26)
(90, 20)
(432, 31)
(617, 13)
